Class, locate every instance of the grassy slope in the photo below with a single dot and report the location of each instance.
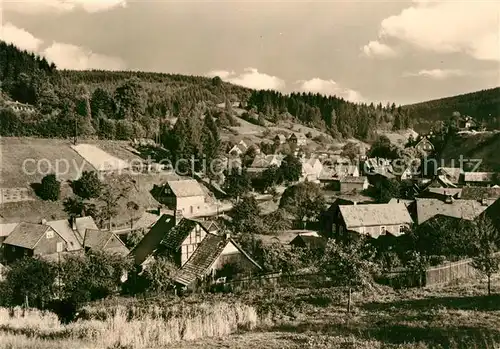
(15, 150)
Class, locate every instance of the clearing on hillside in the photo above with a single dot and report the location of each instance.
(99, 159)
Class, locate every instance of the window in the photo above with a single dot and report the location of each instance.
(198, 235)
(50, 234)
(59, 247)
(382, 230)
(401, 229)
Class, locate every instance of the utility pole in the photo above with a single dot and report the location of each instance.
(76, 126)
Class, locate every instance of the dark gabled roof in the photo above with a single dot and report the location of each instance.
(174, 238)
(493, 213)
(27, 235)
(310, 241)
(203, 257)
(151, 241)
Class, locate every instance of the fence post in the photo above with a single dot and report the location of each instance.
(349, 301)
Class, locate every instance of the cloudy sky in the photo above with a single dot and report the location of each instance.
(402, 51)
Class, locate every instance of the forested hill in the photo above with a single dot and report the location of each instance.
(125, 105)
(483, 105)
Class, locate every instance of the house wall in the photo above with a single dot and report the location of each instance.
(48, 245)
(231, 254)
(116, 245)
(190, 244)
(13, 253)
(376, 231)
(190, 205)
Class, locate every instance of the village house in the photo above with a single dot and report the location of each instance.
(373, 220)
(20, 107)
(262, 162)
(297, 138)
(425, 146)
(466, 123)
(279, 139)
(311, 169)
(238, 149)
(479, 179)
(313, 242)
(29, 239)
(452, 174)
(330, 176)
(186, 195)
(198, 248)
(104, 241)
(5, 230)
(440, 193)
(349, 184)
(480, 193)
(424, 209)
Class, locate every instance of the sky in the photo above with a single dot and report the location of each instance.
(364, 51)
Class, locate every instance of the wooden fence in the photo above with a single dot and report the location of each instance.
(448, 272)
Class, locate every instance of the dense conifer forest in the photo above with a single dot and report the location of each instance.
(126, 105)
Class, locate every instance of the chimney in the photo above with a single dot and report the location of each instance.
(73, 223)
(44, 221)
(177, 216)
(158, 210)
(449, 199)
(227, 235)
(484, 202)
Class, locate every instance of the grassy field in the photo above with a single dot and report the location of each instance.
(459, 316)
(48, 153)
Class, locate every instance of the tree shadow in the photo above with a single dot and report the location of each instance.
(441, 337)
(37, 189)
(481, 303)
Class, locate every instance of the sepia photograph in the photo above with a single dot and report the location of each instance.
(208, 174)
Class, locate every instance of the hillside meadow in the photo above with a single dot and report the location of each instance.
(458, 316)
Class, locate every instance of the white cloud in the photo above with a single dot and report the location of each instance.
(43, 6)
(378, 49)
(438, 74)
(251, 78)
(329, 87)
(19, 37)
(469, 27)
(67, 56)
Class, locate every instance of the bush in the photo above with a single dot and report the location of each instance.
(88, 185)
(50, 188)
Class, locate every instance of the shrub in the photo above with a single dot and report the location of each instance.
(88, 185)
(50, 188)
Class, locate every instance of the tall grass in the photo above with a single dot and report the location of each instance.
(122, 329)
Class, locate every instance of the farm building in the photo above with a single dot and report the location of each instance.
(185, 195)
(425, 146)
(424, 209)
(280, 139)
(105, 241)
(298, 139)
(373, 219)
(28, 239)
(479, 179)
(311, 169)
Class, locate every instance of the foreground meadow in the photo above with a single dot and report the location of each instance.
(459, 316)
